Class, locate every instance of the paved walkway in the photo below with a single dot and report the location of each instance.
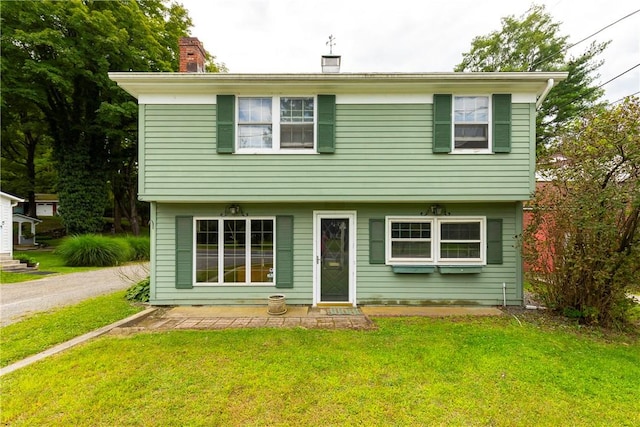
(211, 318)
(20, 299)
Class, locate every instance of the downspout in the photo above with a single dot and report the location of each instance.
(545, 92)
(504, 294)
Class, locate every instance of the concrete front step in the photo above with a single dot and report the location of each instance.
(15, 266)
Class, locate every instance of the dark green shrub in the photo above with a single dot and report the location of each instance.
(140, 291)
(140, 247)
(93, 250)
(24, 258)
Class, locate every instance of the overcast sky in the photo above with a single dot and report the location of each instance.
(282, 36)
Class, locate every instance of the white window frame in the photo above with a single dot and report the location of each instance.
(389, 240)
(463, 261)
(435, 258)
(489, 149)
(275, 126)
(247, 258)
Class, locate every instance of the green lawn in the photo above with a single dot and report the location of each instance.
(44, 330)
(412, 371)
(48, 260)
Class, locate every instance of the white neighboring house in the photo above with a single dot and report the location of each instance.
(7, 203)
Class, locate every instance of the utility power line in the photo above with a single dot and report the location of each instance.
(625, 97)
(598, 87)
(584, 39)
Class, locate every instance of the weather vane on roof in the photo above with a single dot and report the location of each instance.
(331, 43)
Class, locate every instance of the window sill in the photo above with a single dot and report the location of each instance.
(460, 269)
(233, 285)
(482, 151)
(413, 269)
(245, 151)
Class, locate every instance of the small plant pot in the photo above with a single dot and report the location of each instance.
(277, 305)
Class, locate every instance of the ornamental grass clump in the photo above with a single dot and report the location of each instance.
(140, 247)
(93, 250)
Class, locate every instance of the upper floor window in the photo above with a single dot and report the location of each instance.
(471, 122)
(276, 123)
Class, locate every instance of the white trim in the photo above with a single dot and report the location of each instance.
(221, 259)
(435, 259)
(353, 225)
(523, 98)
(364, 98)
(177, 98)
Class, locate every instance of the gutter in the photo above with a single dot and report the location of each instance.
(545, 92)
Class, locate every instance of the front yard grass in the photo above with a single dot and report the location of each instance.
(412, 371)
(49, 261)
(44, 330)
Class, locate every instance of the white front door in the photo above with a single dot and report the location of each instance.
(334, 254)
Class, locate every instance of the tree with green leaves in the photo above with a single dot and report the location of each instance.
(55, 59)
(583, 242)
(25, 141)
(534, 42)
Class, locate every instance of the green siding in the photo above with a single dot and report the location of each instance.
(376, 283)
(383, 153)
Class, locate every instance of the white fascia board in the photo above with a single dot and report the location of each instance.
(139, 84)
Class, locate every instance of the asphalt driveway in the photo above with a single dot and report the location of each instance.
(20, 299)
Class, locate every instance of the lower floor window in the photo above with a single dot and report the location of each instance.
(460, 240)
(234, 251)
(435, 240)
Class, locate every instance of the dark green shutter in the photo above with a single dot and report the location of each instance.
(326, 123)
(501, 123)
(284, 251)
(442, 123)
(184, 252)
(376, 241)
(225, 124)
(494, 241)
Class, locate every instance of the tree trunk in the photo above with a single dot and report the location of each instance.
(135, 224)
(31, 144)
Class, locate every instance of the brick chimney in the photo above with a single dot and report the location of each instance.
(192, 55)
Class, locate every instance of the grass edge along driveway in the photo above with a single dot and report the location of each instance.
(412, 371)
(46, 329)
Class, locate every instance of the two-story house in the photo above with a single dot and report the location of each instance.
(337, 188)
